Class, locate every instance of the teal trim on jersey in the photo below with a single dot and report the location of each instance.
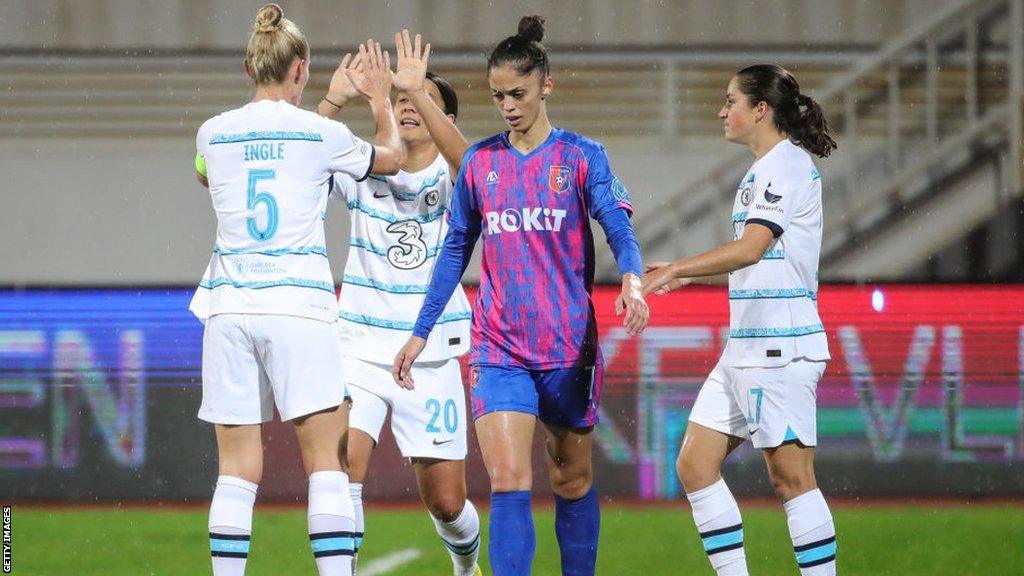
(383, 252)
(392, 218)
(411, 196)
(265, 135)
(790, 435)
(721, 540)
(385, 287)
(748, 180)
(739, 217)
(317, 250)
(771, 293)
(398, 324)
(815, 175)
(815, 554)
(774, 255)
(776, 332)
(261, 284)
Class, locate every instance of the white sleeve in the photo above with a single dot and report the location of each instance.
(446, 184)
(347, 153)
(775, 198)
(203, 138)
(345, 188)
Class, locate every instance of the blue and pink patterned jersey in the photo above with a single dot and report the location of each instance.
(533, 211)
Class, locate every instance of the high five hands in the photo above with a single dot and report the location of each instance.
(369, 73)
(411, 62)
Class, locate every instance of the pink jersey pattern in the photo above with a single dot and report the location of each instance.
(533, 213)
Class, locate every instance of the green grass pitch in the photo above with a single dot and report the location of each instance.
(908, 540)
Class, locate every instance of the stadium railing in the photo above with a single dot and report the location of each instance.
(935, 112)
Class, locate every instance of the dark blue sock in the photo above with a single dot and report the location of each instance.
(512, 540)
(577, 525)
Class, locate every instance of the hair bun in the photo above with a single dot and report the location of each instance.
(268, 19)
(531, 28)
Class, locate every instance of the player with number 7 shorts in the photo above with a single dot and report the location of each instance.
(398, 226)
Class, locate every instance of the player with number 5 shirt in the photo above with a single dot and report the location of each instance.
(267, 297)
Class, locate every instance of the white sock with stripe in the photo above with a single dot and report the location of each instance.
(230, 525)
(355, 490)
(813, 534)
(462, 539)
(331, 523)
(721, 528)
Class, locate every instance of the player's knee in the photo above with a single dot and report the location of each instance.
(571, 485)
(247, 465)
(694, 473)
(510, 478)
(791, 482)
(445, 508)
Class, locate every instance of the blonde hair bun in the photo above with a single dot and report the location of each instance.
(268, 19)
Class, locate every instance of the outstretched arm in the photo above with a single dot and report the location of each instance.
(622, 240)
(373, 81)
(410, 78)
(451, 264)
(747, 250)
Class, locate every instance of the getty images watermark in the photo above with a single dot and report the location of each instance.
(7, 539)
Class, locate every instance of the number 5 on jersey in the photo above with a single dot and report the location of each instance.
(267, 199)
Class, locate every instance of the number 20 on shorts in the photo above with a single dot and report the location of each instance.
(451, 415)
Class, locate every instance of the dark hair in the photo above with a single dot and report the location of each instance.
(448, 96)
(799, 116)
(524, 50)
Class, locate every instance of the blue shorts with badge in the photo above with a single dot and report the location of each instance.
(563, 397)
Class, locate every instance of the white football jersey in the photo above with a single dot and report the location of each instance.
(270, 165)
(398, 228)
(773, 305)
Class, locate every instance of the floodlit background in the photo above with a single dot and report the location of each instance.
(105, 232)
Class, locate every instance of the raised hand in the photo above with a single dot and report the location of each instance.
(631, 301)
(411, 62)
(373, 78)
(341, 89)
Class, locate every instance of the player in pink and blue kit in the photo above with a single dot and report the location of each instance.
(530, 192)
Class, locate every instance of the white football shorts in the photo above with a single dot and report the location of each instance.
(254, 362)
(769, 406)
(428, 421)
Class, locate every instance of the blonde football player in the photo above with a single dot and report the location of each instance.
(267, 297)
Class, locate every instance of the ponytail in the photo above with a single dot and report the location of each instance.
(523, 50)
(797, 115)
(274, 44)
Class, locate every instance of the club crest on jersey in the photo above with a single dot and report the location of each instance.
(432, 198)
(745, 187)
(558, 178)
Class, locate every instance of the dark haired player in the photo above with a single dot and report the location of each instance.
(398, 226)
(530, 192)
(764, 387)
